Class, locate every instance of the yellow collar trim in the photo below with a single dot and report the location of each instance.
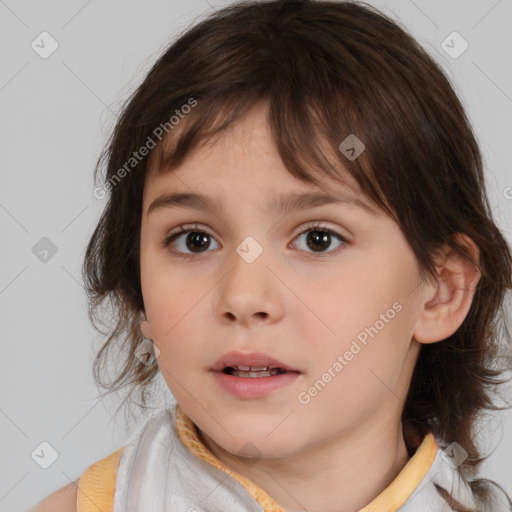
(389, 500)
(188, 434)
(404, 484)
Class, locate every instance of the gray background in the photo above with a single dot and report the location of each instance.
(57, 113)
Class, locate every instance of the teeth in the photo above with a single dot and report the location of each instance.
(251, 368)
(238, 372)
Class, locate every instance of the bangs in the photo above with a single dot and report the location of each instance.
(304, 134)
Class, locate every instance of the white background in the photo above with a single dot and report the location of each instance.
(56, 115)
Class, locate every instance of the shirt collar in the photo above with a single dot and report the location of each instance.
(389, 500)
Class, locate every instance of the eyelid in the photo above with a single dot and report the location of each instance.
(304, 227)
(182, 228)
(321, 225)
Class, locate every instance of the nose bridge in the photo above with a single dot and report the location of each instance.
(248, 287)
(247, 266)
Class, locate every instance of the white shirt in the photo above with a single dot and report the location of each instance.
(166, 468)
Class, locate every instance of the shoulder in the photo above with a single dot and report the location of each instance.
(63, 500)
(96, 486)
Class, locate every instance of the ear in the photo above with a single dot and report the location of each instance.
(145, 327)
(447, 301)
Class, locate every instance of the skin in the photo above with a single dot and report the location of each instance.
(339, 451)
(62, 500)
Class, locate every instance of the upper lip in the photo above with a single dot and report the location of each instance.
(258, 359)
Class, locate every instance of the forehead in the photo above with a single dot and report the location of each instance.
(244, 156)
(248, 139)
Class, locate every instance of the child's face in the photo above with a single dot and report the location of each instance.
(306, 305)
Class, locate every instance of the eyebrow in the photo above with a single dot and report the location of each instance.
(279, 206)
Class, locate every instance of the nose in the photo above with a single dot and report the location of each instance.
(249, 292)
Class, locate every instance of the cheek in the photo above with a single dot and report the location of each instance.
(175, 307)
(359, 311)
(360, 368)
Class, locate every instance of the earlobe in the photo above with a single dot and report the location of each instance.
(145, 327)
(447, 302)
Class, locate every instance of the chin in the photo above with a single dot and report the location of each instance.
(258, 446)
(255, 435)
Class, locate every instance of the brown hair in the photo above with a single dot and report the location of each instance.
(326, 69)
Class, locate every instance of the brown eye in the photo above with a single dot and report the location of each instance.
(197, 241)
(318, 239)
(188, 242)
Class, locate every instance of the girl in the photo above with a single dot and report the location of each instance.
(298, 240)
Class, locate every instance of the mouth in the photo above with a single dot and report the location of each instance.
(253, 371)
(251, 365)
(253, 375)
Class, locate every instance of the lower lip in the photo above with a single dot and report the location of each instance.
(253, 387)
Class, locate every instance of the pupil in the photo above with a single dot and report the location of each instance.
(317, 238)
(197, 240)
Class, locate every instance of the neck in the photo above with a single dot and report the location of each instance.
(341, 474)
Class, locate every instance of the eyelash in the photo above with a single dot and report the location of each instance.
(189, 228)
